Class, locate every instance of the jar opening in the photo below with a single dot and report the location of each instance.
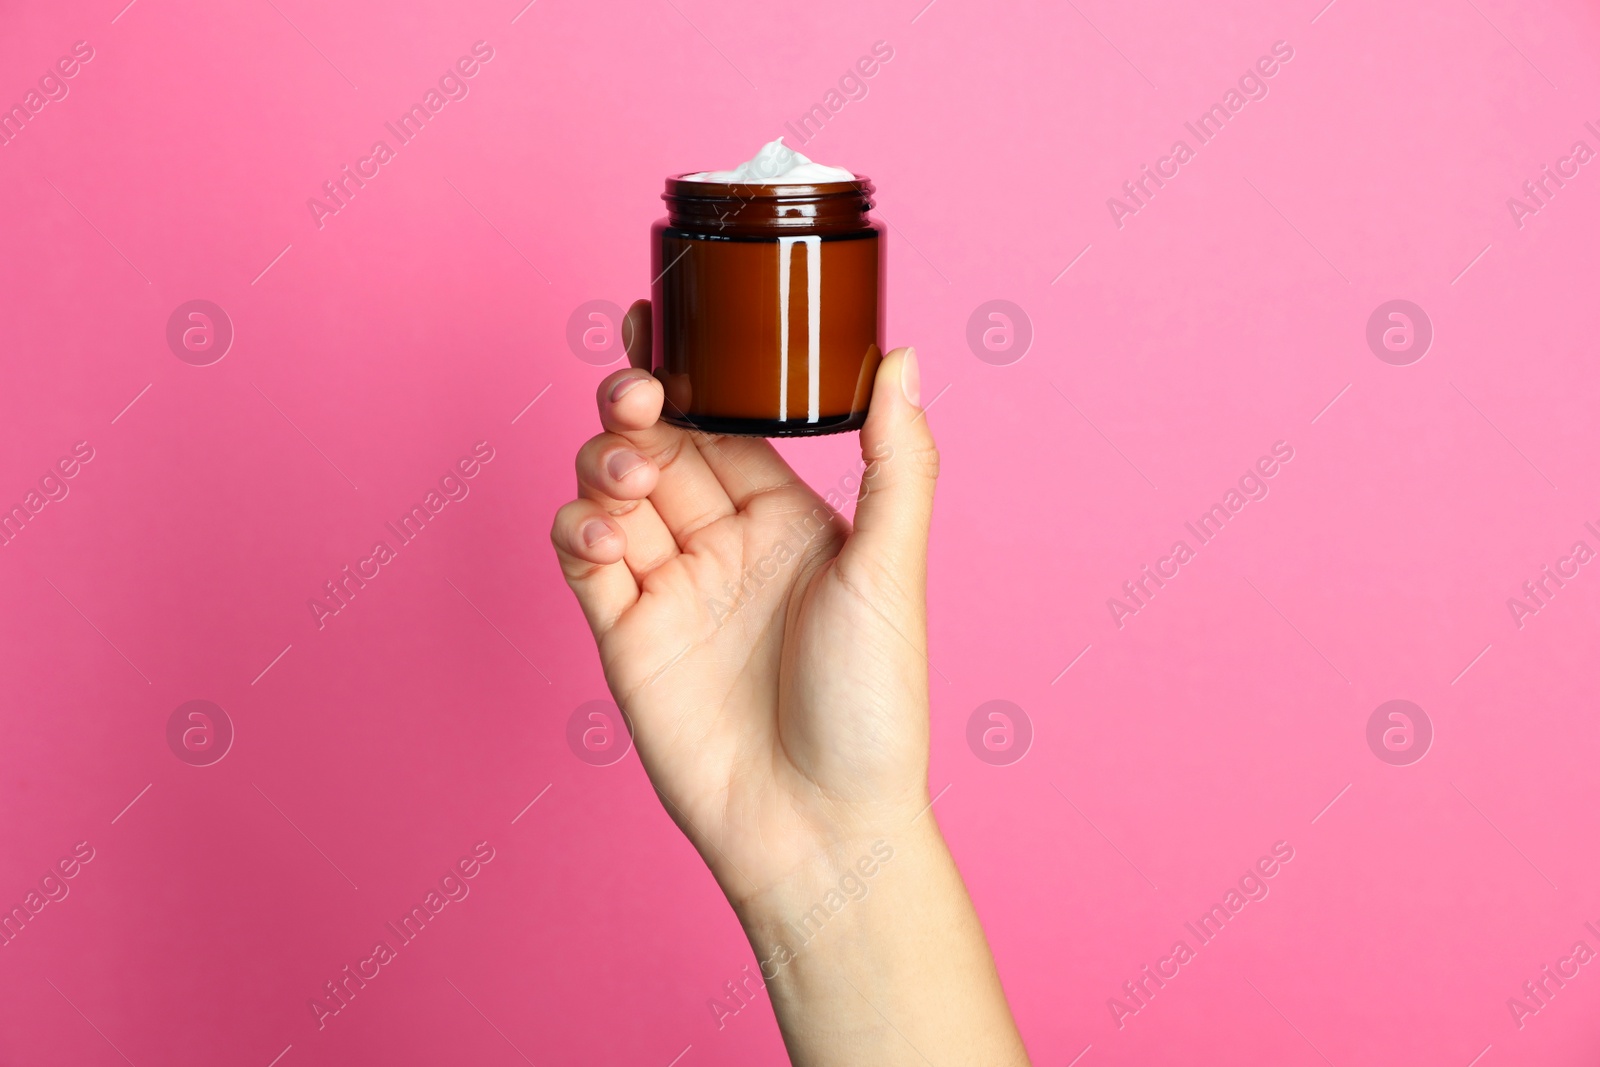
(735, 207)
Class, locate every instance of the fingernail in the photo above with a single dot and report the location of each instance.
(622, 464)
(623, 386)
(595, 531)
(911, 377)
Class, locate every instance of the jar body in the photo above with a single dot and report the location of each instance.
(768, 327)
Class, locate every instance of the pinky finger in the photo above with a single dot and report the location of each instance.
(590, 545)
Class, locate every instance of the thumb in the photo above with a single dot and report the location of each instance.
(895, 507)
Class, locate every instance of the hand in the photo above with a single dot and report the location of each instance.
(771, 659)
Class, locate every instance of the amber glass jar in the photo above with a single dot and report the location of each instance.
(768, 306)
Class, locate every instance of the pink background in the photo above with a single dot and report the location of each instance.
(426, 315)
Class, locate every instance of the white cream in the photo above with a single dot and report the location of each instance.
(775, 164)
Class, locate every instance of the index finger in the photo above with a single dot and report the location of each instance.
(745, 466)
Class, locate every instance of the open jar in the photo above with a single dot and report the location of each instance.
(767, 306)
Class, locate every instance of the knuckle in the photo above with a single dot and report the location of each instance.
(917, 461)
(664, 452)
(656, 561)
(925, 460)
(561, 525)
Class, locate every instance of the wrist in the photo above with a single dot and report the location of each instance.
(879, 967)
(833, 890)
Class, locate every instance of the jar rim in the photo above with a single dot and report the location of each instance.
(680, 188)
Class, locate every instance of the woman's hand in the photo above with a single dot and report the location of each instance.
(772, 661)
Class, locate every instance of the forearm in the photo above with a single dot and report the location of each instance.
(886, 967)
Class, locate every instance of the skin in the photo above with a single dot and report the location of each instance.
(785, 727)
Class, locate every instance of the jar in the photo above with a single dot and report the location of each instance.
(767, 306)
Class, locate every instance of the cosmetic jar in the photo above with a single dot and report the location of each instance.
(767, 306)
